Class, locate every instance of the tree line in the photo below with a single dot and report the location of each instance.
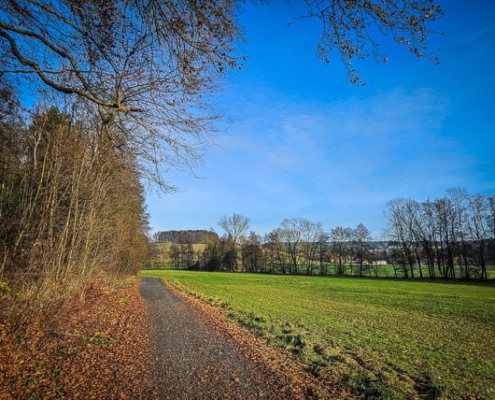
(452, 237)
(297, 246)
(195, 236)
(71, 203)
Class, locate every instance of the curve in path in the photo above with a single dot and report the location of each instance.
(194, 362)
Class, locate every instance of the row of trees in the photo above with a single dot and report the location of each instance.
(71, 203)
(451, 238)
(297, 246)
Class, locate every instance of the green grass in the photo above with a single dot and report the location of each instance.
(380, 338)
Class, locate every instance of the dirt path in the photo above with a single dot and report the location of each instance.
(194, 361)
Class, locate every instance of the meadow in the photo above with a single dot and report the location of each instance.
(380, 338)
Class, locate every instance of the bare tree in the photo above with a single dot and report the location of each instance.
(142, 66)
(491, 220)
(323, 252)
(121, 54)
(252, 255)
(181, 250)
(291, 236)
(459, 227)
(445, 219)
(399, 231)
(347, 27)
(340, 238)
(451, 232)
(311, 233)
(362, 235)
(145, 66)
(212, 251)
(234, 226)
(479, 229)
(413, 220)
(425, 233)
(277, 252)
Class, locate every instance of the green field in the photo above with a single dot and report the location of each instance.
(380, 338)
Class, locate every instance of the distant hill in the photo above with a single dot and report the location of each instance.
(197, 236)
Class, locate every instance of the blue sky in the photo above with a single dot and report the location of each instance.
(299, 140)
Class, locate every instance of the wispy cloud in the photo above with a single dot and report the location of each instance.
(358, 133)
(305, 159)
(480, 33)
(337, 163)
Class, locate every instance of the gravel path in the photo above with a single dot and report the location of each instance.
(193, 361)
